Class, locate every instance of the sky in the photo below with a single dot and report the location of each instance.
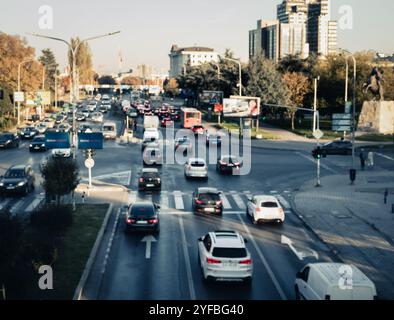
(150, 28)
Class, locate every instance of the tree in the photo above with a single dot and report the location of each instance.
(106, 79)
(49, 61)
(83, 61)
(297, 87)
(60, 177)
(171, 87)
(265, 81)
(131, 81)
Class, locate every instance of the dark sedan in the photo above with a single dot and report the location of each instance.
(228, 164)
(29, 133)
(143, 216)
(9, 140)
(337, 147)
(38, 144)
(149, 179)
(207, 200)
(18, 179)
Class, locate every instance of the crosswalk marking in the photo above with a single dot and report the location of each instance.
(15, 208)
(33, 205)
(226, 203)
(238, 200)
(4, 204)
(178, 200)
(283, 202)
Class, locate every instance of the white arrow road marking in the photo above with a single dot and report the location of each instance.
(148, 239)
(124, 177)
(178, 200)
(300, 254)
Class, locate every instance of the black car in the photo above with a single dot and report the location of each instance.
(29, 133)
(17, 179)
(38, 144)
(228, 164)
(337, 147)
(149, 179)
(59, 119)
(142, 216)
(9, 140)
(207, 200)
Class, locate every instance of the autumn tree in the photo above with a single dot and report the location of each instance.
(83, 61)
(297, 87)
(131, 81)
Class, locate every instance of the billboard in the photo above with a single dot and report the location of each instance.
(57, 140)
(90, 140)
(38, 98)
(211, 97)
(241, 107)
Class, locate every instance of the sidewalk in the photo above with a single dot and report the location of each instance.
(354, 222)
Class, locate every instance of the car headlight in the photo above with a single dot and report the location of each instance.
(8, 141)
(43, 145)
(1, 184)
(31, 146)
(22, 183)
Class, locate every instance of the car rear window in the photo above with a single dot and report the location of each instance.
(209, 197)
(229, 252)
(197, 164)
(269, 204)
(108, 128)
(142, 211)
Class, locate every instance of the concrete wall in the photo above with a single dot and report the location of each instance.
(377, 117)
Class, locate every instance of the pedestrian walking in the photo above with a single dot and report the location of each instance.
(370, 159)
(362, 159)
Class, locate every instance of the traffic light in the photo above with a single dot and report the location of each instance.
(89, 153)
(318, 153)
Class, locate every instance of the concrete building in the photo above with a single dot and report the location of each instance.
(189, 56)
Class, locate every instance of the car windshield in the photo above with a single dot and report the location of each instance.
(15, 173)
(39, 139)
(142, 211)
(205, 197)
(230, 159)
(269, 204)
(6, 137)
(150, 175)
(108, 128)
(229, 252)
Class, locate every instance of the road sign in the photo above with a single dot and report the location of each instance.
(341, 122)
(341, 128)
(19, 96)
(318, 134)
(341, 116)
(89, 163)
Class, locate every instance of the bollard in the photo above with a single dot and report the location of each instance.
(386, 193)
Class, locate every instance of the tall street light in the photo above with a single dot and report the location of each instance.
(74, 52)
(240, 72)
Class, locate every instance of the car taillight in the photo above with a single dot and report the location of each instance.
(213, 261)
(153, 221)
(247, 261)
(218, 203)
(198, 201)
(130, 221)
(258, 209)
(141, 179)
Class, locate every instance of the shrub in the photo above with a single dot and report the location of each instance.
(52, 219)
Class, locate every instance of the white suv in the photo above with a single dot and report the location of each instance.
(261, 208)
(223, 256)
(196, 168)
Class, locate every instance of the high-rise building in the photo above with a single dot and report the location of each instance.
(191, 56)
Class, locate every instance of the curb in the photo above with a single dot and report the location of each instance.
(88, 267)
(334, 252)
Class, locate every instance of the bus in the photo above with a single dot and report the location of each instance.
(190, 117)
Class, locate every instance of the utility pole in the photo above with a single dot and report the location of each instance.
(315, 104)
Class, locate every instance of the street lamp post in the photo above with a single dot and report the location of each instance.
(240, 73)
(74, 52)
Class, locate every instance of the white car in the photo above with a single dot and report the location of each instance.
(109, 130)
(63, 153)
(223, 255)
(49, 123)
(333, 281)
(41, 128)
(97, 117)
(92, 105)
(196, 168)
(265, 208)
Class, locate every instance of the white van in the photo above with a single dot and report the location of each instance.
(333, 281)
(109, 130)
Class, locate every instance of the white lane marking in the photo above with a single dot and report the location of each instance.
(129, 178)
(110, 242)
(226, 203)
(283, 202)
(264, 261)
(321, 164)
(132, 197)
(14, 209)
(175, 213)
(273, 191)
(4, 204)
(178, 200)
(187, 260)
(148, 240)
(300, 254)
(164, 203)
(384, 156)
(33, 205)
(124, 177)
(238, 200)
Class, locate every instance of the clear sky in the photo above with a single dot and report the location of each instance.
(149, 28)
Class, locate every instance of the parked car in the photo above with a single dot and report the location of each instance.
(18, 179)
(9, 140)
(149, 179)
(337, 147)
(37, 144)
(196, 168)
(263, 208)
(333, 281)
(222, 255)
(207, 200)
(142, 216)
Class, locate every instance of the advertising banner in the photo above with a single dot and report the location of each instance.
(91, 140)
(241, 107)
(211, 97)
(57, 140)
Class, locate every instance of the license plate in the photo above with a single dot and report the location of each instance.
(10, 188)
(209, 210)
(229, 265)
(142, 222)
(150, 185)
(36, 147)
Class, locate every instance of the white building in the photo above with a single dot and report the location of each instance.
(190, 56)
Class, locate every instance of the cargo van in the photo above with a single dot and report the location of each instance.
(333, 281)
(109, 130)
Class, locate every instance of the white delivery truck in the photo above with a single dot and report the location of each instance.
(151, 122)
